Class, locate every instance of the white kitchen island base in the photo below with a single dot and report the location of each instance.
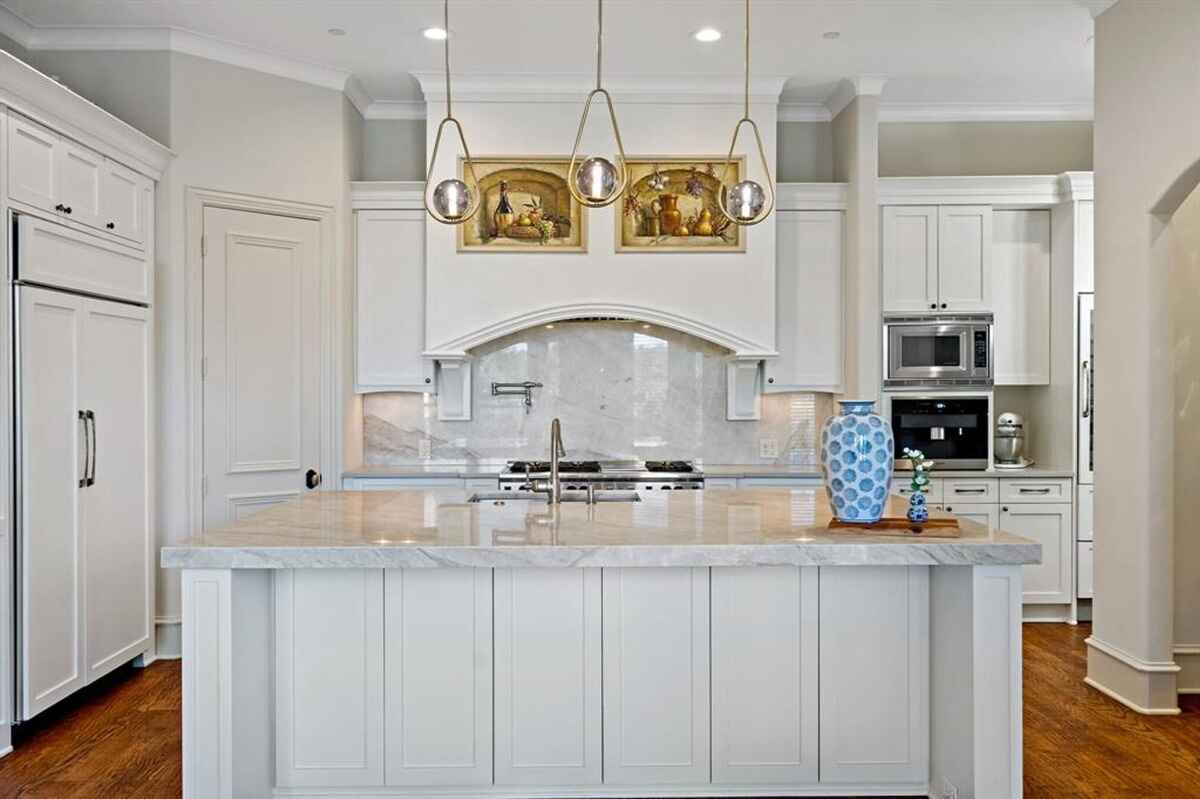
(547, 682)
(716, 643)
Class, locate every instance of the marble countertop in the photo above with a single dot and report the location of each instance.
(438, 528)
(464, 470)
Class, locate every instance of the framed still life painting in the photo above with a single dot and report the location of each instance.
(525, 206)
(671, 206)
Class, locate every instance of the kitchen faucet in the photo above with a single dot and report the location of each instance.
(552, 487)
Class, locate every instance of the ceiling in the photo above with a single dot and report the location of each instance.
(1019, 53)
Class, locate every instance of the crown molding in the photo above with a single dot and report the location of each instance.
(40, 97)
(803, 112)
(626, 89)
(1002, 191)
(1097, 7)
(383, 195)
(811, 196)
(849, 88)
(397, 109)
(986, 112)
(357, 95)
(1077, 186)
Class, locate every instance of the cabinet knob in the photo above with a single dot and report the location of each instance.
(943, 305)
(949, 509)
(429, 380)
(1004, 509)
(933, 305)
(111, 225)
(770, 380)
(67, 209)
(60, 207)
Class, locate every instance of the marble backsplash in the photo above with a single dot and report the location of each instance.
(622, 390)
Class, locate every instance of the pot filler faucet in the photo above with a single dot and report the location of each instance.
(552, 487)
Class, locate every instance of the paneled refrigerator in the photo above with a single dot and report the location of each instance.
(1085, 443)
(82, 459)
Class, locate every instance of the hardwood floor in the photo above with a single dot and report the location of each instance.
(120, 738)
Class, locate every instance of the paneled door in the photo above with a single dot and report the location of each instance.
(910, 259)
(965, 258)
(262, 359)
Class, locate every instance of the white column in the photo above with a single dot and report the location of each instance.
(207, 680)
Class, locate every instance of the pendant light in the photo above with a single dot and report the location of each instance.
(747, 203)
(451, 202)
(598, 182)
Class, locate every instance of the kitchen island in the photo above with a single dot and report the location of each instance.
(694, 643)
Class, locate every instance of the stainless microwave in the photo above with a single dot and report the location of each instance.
(937, 351)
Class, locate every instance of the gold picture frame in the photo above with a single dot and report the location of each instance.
(543, 216)
(670, 194)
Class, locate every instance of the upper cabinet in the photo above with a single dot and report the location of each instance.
(937, 259)
(76, 184)
(390, 302)
(808, 302)
(1021, 297)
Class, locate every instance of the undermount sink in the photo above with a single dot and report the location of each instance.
(581, 496)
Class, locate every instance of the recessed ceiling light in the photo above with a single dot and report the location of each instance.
(437, 34)
(549, 327)
(707, 35)
(831, 35)
(337, 31)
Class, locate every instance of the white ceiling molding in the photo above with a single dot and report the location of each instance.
(1077, 185)
(571, 88)
(986, 112)
(1097, 7)
(1001, 191)
(848, 89)
(397, 109)
(357, 95)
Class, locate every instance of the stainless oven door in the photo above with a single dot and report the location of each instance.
(929, 352)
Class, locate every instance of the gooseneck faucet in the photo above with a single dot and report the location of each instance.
(557, 450)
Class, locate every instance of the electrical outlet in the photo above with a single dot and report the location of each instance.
(768, 448)
(949, 791)
(425, 448)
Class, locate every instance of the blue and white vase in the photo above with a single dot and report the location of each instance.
(917, 511)
(857, 449)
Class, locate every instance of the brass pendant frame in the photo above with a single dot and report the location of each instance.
(622, 164)
(468, 170)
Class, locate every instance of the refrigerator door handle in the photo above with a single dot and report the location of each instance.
(87, 450)
(91, 417)
(1086, 379)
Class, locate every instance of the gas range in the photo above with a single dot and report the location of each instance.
(578, 475)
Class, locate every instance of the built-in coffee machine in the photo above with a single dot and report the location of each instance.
(953, 431)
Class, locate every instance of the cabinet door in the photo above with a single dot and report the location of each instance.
(1085, 524)
(874, 639)
(329, 695)
(115, 390)
(1086, 558)
(51, 471)
(79, 177)
(656, 676)
(965, 258)
(438, 676)
(764, 623)
(390, 307)
(32, 166)
(548, 726)
(808, 303)
(910, 259)
(124, 202)
(58, 255)
(983, 513)
(1048, 582)
(1021, 297)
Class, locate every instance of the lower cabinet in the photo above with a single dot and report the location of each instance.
(874, 672)
(656, 676)
(1048, 582)
(764, 675)
(986, 514)
(548, 713)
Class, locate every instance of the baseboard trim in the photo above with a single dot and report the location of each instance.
(1188, 658)
(168, 638)
(1145, 711)
(605, 791)
(1133, 662)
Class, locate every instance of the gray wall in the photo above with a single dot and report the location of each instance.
(14, 48)
(917, 149)
(805, 152)
(394, 149)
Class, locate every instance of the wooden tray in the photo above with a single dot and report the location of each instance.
(901, 527)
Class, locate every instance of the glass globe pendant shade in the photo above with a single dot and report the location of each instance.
(452, 199)
(746, 200)
(596, 179)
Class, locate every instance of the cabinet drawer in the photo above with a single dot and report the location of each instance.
(986, 514)
(934, 496)
(970, 490)
(1030, 490)
(1086, 568)
(60, 256)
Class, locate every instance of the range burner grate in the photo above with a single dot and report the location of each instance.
(519, 467)
(677, 467)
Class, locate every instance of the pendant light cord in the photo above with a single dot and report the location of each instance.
(599, 39)
(747, 42)
(446, 25)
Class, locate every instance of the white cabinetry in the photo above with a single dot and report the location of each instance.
(548, 712)
(56, 255)
(937, 259)
(910, 259)
(808, 302)
(656, 676)
(764, 675)
(85, 477)
(874, 642)
(329, 693)
(1021, 297)
(438, 676)
(76, 184)
(1048, 523)
(390, 302)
